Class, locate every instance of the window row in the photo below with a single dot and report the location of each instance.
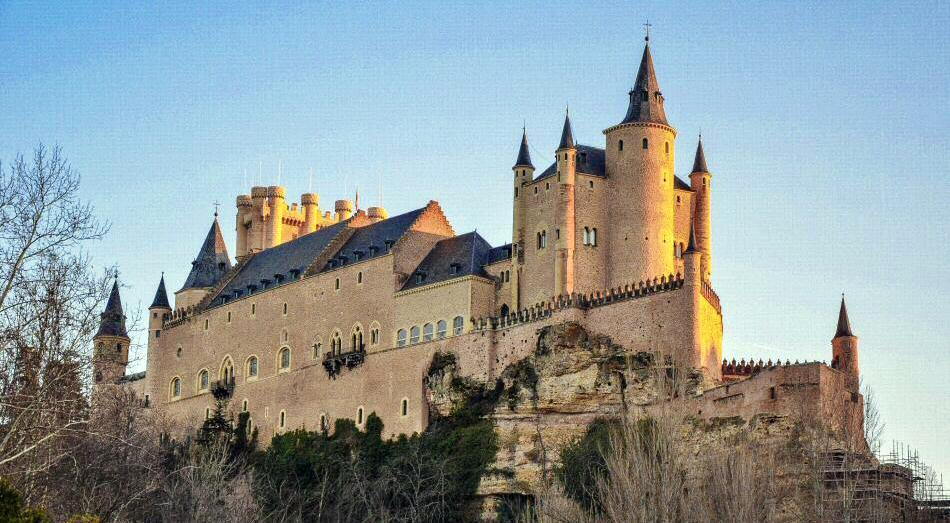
(429, 332)
(324, 422)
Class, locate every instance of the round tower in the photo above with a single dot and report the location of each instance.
(640, 158)
(844, 349)
(242, 223)
(565, 212)
(311, 211)
(523, 171)
(376, 214)
(701, 182)
(344, 209)
(111, 342)
(274, 223)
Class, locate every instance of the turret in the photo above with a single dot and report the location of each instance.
(311, 212)
(701, 182)
(243, 224)
(844, 349)
(111, 342)
(344, 209)
(274, 223)
(376, 214)
(692, 257)
(211, 264)
(158, 310)
(565, 212)
(640, 158)
(523, 171)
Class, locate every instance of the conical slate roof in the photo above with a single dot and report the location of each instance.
(524, 157)
(646, 100)
(161, 297)
(844, 324)
(567, 134)
(112, 319)
(212, 262)
(692, 238)
(699, 163)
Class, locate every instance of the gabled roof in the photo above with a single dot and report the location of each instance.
(161, 297)
(590, 160)
(112, 319)
(289, 260)
(646, 107)
(451, 258)
(212, 261)
(371, 240)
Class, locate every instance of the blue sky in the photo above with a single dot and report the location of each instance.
(826, 128)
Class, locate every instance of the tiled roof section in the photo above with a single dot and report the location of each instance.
(679, 183)
(451, 258)
(212, 262)
(374, 240)
(497, 254)
(646, 107)
(161, 297)
(590, 160)
(112, 319)
(524, 157)
(692, 238)
(281, 264)
(567, 134)
(844, 323)
(699, 163)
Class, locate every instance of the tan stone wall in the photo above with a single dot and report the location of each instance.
(590, 273)
(536, 277)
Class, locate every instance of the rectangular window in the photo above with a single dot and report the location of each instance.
(158, 333)
(285, 309)
(253, 309)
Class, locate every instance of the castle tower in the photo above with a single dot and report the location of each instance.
(242, 225)
(211, 264)
(311, 212)
(158, 310)
(523, 174)
(701, 182)
(565, 212)
(111, 342)
(844, 349)
(344, 209)
(274, 221)
(640, 157)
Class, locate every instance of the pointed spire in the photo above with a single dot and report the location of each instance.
(212, 262)
(844, 324)
(567, 134)
(646, 100)
(524, 157)
(112, 319)
(692, 238)
(699, 163)
(161, 297)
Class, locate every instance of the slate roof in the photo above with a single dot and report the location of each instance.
(370, 241)
(844, 323)
(567, 134)
(679, 183)
(161, 297)
(699, 163)
(651, 108)
(112, 319)
(497, 254)
(590, 160)
(452, 258)
(290, 260)
(524, 157)
(212, 262)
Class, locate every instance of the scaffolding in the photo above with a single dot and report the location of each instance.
(928, 488)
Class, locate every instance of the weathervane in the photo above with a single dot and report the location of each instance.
(647, 27)
(216, 205)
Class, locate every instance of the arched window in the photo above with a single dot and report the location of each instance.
(336, 285)
(646, 143)
(336, 343)
(458, 324)
(539, 239)
(356, 338)
(250, 370)
(414, 335)
(401, 338)
(226, 374)
(504, 310)
(586, 236)
(667, 148)
(178, 352)
(404, 407)
(174, 389)
(283, 419)
(593, 236)
(440, 329)
(374, 334)
(324, 423)
(204, 380)
(427, 331)
(244, 405)
(283, 359)
(359, 277)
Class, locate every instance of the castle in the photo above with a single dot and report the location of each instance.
(338, 315)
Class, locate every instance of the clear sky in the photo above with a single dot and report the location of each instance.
(826, 128)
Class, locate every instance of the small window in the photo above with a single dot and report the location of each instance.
(251, 371)
(414, 335)
(244, 406)
(401, 338)
(374, 336)
(324, 426)
(593, 237)
(586, 236)
(590, 183)
(458, 324)
(516, 192)
(547, 186)
(557, 234)
(158, 333)
(229, 316)
(206, 324)
(404, 408)
(420, 277)
(283, 419)
(440, 329)
(284, 360)
(283, 335)
(359, 416)
(207, 413)
(317, 350)
(336, 285)
(646, 143)
(204, 380)
(175, 388)
(667, 148)
(535, 189)
(253, 309)
(427, 332)
(285, 309)
(620, 145)
(178, 352)
(359, 277)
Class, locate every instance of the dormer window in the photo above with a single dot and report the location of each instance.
(373, 250)
(236, 293)
(332, 264)
(389, 244)
(251, 289)
(420, 277)
(295, 273)
(264, 283)
(278, 278)
(343, 260)
(357, 255)
(455, 268)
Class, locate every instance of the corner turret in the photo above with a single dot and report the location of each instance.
(211, 264)
(565, 214)
(523, 175)
(701, 183)
(111, 342)
(158, 310)
(844, 349)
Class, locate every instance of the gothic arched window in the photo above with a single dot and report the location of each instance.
(458, 324)
(440, 329)
(251, 367)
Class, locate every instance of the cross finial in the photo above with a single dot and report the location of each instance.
(216, 205)
(647, 27)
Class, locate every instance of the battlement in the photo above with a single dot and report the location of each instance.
(733, 370)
